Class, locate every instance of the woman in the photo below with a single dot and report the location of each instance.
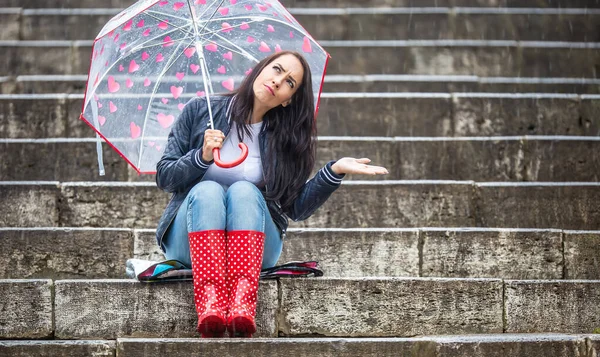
(228, 223)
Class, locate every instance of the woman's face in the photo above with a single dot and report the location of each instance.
(278, 81)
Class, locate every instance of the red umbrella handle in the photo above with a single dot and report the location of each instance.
(227, 165)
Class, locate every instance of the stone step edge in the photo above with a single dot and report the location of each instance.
(349, 183)
(327, 11)
(360, 43)
(351, 78)
(320, 280)
(391, 139)
(363, 95)
(333, 230)
(485, 338)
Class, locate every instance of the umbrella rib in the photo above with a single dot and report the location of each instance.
(161, 43)
(211, 16)
(170, 63)
(141, 46)
(241, 51)
(175, 26)
(260, 19)
(150, 12)
(221, 30)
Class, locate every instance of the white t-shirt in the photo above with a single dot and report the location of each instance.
(249, 170)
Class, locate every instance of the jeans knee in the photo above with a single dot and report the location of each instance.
(244, 191)
(207, 191)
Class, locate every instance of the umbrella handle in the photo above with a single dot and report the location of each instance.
(227, 165)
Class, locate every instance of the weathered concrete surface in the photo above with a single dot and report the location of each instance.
(396, 204)
(71, 161)
(561, 160)
(492, 254)
(332, 84)
(57, 348)
(107, 309)
(381, 26)
(356, 253)
(538, 206)
(64, 253)
(521, 27)
(590, 111)
(29, 204)
(390, 307)
(518, 345)
(26, 307)
(383, 204)
(43, 27)
(594, 343)
(414, 85)
(10, 20)
(18, 58)
(582, 255)
(352, 115)
(479, 159)
(33, 117)
(483, 116)
(452, 60)
(498, 345)
(21, 85)
(552, 306)
(111, 205)
(412, 58)
(145, 245)
(284, 347)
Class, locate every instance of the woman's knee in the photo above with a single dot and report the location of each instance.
(244, 191)
(207, 191)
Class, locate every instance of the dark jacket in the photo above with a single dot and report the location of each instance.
(181, 166)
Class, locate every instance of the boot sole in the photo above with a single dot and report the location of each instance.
(212, 326)
(241, 326)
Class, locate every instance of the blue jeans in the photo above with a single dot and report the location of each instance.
(211, 206)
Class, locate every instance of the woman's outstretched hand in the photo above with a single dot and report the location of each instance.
(350, 165)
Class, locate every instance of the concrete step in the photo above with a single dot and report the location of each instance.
(441, 57)
(348, 83)
(80, 253)
(58, 348)
(520, 158)
(488, 345)
(516, 345)
(571, 205)
(343, 307)
(331, 3)
(359, 114)
(398, 23)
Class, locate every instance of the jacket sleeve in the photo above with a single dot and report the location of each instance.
(315, 192)
(182, 165)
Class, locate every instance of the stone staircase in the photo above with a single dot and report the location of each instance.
(482, 241)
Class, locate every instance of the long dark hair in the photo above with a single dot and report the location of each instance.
(291, 133)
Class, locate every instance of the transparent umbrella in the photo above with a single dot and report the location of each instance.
(154, 56)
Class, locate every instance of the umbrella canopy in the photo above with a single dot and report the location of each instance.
(153, 57)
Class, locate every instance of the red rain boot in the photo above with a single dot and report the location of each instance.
(207, 250)
(244, 260)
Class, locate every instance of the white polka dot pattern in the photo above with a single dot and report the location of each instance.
(244, 260)
(207, 252)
